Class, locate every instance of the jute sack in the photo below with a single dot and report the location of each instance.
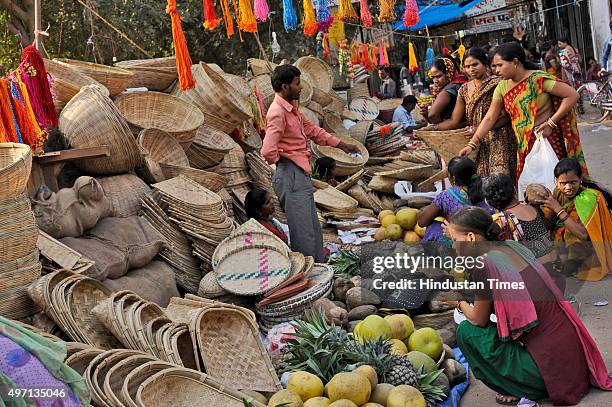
(109, 260)
(155, 282)
(134, 236)
(71, 211)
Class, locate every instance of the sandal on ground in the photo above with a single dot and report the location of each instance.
(506, 400)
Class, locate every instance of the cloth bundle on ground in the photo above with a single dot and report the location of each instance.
(155, 282)
(71, 211)
(118, 245)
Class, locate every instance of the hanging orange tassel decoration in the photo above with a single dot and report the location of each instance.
(310, 20)
(246, 17)
(326, 45)
(237, 14)
(227, 18)
(386, 11)
(211, 20)
(346, 11)
(10, 134)
(183, 60)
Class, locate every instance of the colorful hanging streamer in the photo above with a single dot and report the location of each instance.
(37, 83)
(29, 130)
(381, 55)
(289, 16)
(211, 20)
(344, 58)
(411, 15)
(386, 11)
(9, 132)
(183, 60)
(246, 17)
(227, 18)
(355, 53)
(324, 16)
(261, 10)
(310, 20)
(237, 14)
(326, 45)
(413, 65)
(346, 11)
(430, 55)
(461, 52)
(366, 16)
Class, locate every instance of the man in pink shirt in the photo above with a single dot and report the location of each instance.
(285, 145)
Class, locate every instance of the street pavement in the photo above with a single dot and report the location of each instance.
(597, 145)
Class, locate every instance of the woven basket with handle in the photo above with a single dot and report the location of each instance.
(159, 147)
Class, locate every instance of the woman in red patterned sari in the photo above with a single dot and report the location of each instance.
(537, 103)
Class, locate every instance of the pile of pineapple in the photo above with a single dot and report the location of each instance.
(400, 225)
(332, 368)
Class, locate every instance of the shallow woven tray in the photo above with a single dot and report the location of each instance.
(232, 350)
(389, 104)
(411, 173)
(82, 297)
(298, 262)
(159, 147)
(342, 158)
(116, 375)
(446, 143)
(247, 239)
(207, 179)
(189, 193)
(183, 388)
(350, 181)
(364, 108)
(332, 199)
(310, 115)
(135, 378)
(80, 360)
(252, 271)
(260, 66)
(358, 90)
(99, 375)
(382, 184)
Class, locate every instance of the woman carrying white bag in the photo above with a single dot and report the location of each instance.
(538, 104)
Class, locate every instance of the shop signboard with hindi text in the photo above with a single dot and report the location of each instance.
(490, 15)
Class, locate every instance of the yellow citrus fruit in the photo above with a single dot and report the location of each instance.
(388, 220)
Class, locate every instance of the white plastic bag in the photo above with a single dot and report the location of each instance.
(539, 166)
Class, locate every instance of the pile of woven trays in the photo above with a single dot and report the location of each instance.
(199, 212)
(68, 299)
(179, 252)
(156, 74)
(142, 325)
(124, 377)
(19, 265)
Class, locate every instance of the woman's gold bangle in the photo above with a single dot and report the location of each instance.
(551, 123)
(472, 145)
(560, 212)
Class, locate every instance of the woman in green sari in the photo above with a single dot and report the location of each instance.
(33, 373)
(582, 223)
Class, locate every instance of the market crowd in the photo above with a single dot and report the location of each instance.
(538, 348)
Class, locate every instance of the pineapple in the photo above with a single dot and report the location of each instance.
(401, 372)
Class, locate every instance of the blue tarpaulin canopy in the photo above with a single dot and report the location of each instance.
(433, 13)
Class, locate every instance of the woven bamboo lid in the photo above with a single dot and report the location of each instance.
(332, 199)
(364, 108)
(446, 143)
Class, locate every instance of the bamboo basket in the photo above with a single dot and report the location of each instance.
(116, 376)
(159, 147)
(446, 143)
(125, 193)
(18, 229)
(100, 373)
(91, 119)
(136, 377)
(310, 115)
(364, 108)
(263, 83)
(81, 360)
(67, 81)
(115, 79)
(179, 387)
(333, 124)
(382, 184)
(15, 167)
(156, 79)
(228, 337)
(322, 98)
(361, 130)
(320, 73)
(146, 110)
(308, 89)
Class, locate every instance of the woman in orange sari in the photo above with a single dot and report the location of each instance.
(538, 104)
(582, 223)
